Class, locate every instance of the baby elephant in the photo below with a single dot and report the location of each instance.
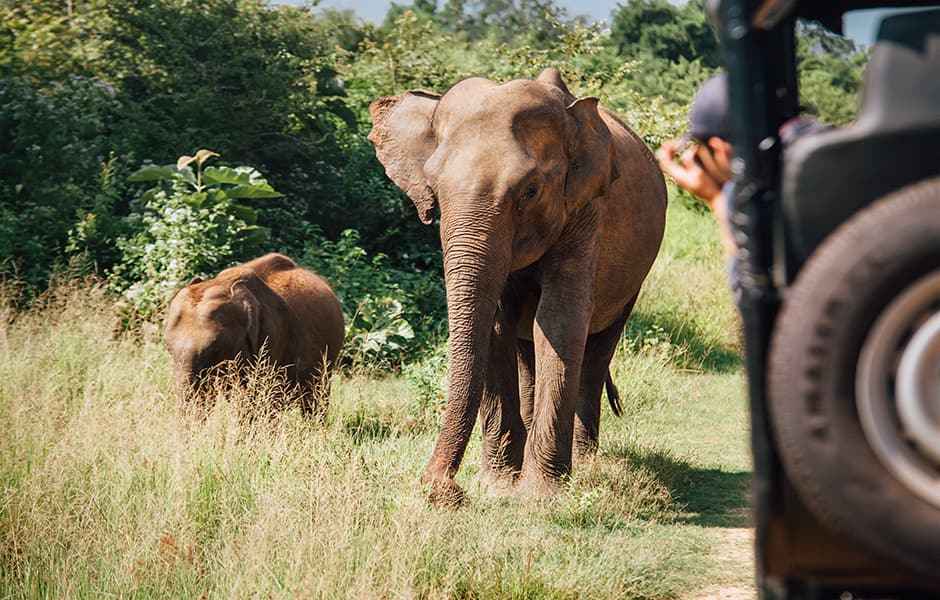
(270, 301)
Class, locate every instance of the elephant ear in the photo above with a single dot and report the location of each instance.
(252, 307)
(591, 168)
(403, 140)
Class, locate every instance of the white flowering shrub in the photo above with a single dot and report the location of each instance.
(192, 222)
(390, 313)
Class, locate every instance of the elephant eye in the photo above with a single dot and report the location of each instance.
(530, 193)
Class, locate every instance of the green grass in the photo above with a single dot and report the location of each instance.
(107, 488)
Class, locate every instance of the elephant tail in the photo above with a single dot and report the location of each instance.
(613, 396)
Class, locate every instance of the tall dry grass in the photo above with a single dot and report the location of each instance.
(107, 488)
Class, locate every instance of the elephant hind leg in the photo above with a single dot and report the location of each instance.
(526, 366)
(595, 374)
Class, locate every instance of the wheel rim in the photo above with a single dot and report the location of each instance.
(897, 387)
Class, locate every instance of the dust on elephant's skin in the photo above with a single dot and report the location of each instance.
(269, 302)
(551, 213)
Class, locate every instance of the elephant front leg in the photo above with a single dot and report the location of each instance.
(504, 433)
(559, 332)
(548, 448)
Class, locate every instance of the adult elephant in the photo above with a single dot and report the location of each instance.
(270, 302)
(552, 212)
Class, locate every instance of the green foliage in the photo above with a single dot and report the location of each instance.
(236, 75)
(91, 89)
(830, 69)
(411, 54)
(190, 224)
(57, 127)
(45, 39)
(391, 314)
(571, 49)
(427, 378)
(378, 332)
(142, 80)
(665, 31)
(93, 237)
(54, 138)
(496, 21)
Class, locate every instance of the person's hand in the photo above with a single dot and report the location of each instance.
(703, 171)
(699, 169)
(716, 159)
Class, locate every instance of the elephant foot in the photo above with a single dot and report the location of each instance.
(496, 482)
(537, 486)
(585, 450)
(443, 491)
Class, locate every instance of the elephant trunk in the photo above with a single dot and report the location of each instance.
(187, 381)
(476, 264)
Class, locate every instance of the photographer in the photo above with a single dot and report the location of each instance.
(700, 161)
(704, 167)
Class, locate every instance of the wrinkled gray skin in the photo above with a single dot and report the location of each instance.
(552, 212)
(270, 300)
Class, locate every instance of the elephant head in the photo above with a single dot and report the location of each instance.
(210, 322)
(509, 166)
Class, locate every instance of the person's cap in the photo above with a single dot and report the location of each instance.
(708, 116)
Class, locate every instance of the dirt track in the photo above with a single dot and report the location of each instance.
(736, 550)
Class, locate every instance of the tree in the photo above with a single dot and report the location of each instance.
(57, 120)
(830, 69)
(496, 20)
(665, 31)
(45, 39)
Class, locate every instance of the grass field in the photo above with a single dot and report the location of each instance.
(108, 489)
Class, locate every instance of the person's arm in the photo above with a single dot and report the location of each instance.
(703, 172)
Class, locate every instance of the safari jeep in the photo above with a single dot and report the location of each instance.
(839, 248)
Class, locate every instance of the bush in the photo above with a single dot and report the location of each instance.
(391, 314)
(428, 380)
(53, 139)
(191, 224)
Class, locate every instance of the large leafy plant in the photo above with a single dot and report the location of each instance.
(392, 315)
(193, 221)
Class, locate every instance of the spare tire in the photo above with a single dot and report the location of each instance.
(854, 378)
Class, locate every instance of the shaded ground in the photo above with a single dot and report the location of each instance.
(712, 497)
(717, 500)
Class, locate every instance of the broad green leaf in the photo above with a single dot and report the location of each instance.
(216, 195)
(153, 173)
(254, 235)
(235, 176)
(245, 213)
(186, 174)
(252, 191)
(195, 199)
(220, 175)
(254, 177)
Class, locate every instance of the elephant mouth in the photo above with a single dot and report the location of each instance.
(190, 383)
